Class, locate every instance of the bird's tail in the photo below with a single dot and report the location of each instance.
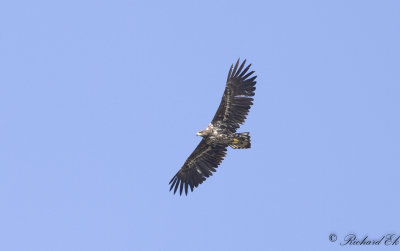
(241, 141)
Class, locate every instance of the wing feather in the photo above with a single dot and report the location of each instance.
(237, 98)
(236, 66)
(200, 165)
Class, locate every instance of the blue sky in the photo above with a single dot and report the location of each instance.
(100, 102)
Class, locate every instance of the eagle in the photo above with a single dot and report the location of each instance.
(221, 132)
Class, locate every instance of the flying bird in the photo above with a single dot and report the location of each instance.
(221, 132)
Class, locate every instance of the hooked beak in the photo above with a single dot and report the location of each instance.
(198, 134)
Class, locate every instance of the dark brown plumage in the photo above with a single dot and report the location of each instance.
(221, 133)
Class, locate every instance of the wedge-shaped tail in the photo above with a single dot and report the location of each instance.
(241, 141)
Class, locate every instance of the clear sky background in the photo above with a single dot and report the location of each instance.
(100, 102)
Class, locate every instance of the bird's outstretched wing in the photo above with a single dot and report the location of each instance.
(199, 166)
(237, 98)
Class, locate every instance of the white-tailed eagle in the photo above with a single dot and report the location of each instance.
(221, 132)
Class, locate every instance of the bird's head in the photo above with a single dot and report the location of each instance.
(201, 133)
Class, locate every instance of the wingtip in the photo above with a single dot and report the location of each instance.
(172, 180)
(235, 68)
(176, 186)
(181, 188)
(231, 71)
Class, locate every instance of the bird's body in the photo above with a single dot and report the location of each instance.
(217, 134)
(221, 132)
